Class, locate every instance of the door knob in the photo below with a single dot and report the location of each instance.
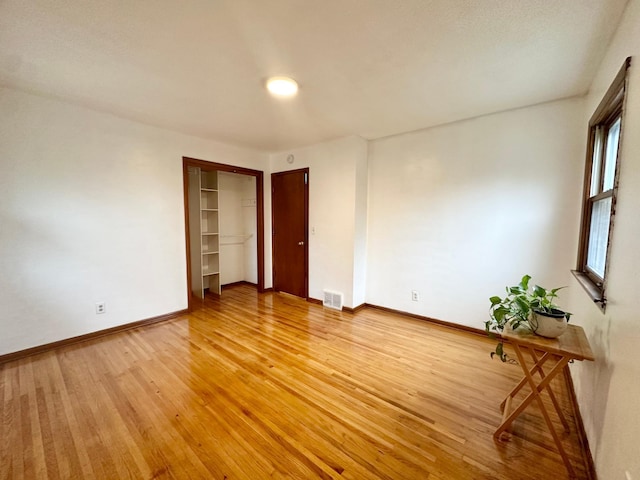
(300, 243)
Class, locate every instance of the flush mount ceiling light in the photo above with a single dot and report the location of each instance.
(282, 86)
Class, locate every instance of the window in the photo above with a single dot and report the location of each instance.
(600, 188)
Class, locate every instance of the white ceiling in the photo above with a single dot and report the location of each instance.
(365, 67)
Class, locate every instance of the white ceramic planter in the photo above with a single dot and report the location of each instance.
(550, 325)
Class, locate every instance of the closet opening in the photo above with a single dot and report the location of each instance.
(224, 227)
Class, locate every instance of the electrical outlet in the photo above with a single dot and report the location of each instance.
(101, 307)
(415, 296)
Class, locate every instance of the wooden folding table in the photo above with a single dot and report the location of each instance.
(558, 352)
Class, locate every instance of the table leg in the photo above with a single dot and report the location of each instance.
(506, 423)
(517, 388)
(537, 389)
(556, 405)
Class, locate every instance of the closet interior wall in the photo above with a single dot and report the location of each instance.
(238, 236)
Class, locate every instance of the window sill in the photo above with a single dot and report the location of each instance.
(594, 292)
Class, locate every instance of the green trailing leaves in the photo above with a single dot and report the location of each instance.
(500, 352)
(522, 304)
(500, 313)
(516, 307)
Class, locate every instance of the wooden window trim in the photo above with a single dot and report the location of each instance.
(610, 108)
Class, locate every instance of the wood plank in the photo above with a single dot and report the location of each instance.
(572, 342)
(252, 386)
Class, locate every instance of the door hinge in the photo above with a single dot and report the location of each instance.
(306, 178)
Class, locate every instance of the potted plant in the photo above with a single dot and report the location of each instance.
(526, 308)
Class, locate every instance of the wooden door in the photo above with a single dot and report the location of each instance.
(290, 206)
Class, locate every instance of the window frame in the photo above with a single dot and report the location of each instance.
(611, 107)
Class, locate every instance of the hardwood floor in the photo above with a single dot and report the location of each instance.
(269, 386)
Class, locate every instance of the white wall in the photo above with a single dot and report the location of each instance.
(334, 170)
(609, 388)
(360, 229)
(91, 209)
(238, 242)
(457, 212)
